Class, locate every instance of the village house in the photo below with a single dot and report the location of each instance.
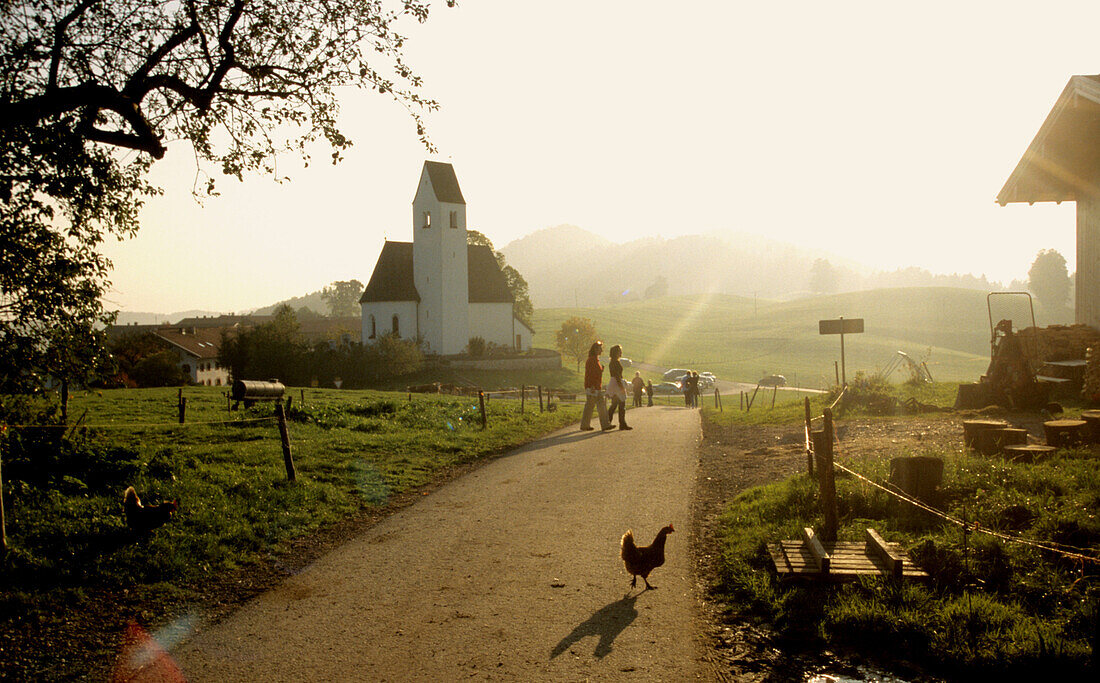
(438, 288)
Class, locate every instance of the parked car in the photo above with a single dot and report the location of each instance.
(773, 381)
(667, 388)
(675, 374)
(709, 375)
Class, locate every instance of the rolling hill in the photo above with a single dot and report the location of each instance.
(739, 339)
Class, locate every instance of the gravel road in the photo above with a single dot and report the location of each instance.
(511, 572)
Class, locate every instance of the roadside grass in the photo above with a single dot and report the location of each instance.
(68, 542)
(992, 607)
(789, 406)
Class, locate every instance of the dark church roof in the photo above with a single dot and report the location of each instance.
(444, 182)
(1063, 159)
(392, 279)
(487, 284)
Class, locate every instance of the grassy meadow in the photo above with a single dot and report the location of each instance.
(71, 557)
(991, 608)
(742, 339)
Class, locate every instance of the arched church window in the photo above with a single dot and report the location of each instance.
(396, 331)
(427, 219)
(373, 328)
(454, 219)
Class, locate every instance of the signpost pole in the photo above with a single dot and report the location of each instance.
(843, 370)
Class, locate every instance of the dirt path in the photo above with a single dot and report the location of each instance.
(509, 573)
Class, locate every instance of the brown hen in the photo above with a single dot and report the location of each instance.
(641, 561)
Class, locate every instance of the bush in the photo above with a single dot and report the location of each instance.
(476, 347)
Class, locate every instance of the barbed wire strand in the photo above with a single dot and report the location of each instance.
(1072, 552)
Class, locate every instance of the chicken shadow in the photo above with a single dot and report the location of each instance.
(607, 623)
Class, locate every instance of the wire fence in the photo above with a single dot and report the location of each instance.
(1088, 555)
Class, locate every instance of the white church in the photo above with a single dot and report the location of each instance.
(438, 288)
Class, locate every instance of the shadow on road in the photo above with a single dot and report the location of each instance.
(607, 623)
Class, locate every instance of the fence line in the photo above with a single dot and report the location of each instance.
(115, 425)
(1069, 551)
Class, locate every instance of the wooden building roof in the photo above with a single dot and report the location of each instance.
(1063, 160)
(392, 279)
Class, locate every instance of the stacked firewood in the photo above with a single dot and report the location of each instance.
(1059, 342)
(1091, 390)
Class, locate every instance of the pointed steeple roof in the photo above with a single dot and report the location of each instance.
(444, 182)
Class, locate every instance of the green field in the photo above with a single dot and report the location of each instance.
(741, 339)
(74, 575)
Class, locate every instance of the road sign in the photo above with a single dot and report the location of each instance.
(842, 327)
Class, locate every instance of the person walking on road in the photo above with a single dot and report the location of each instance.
(649, 393)
(616, 386)
(593, 390)
(638, 384)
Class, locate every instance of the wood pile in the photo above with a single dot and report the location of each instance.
(1091, 390)
(1059, 342)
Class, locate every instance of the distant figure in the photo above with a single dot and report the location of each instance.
(616, 386)
(593, 389)
(693, 382)
(649, 392)
(685, 387)
(639, 386)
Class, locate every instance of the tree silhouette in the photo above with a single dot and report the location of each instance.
(91, 91)
(575, 337)
(1048, 279)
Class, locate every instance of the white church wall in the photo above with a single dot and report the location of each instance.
(493, 322)
(440, 269)
(383, 313)
(526, 337)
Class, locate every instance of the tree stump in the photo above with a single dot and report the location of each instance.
(1092, 417)
(1066, 433)
(971, 429)
(919, 476)
(993, 441)
(1027, 452)
(973, 396)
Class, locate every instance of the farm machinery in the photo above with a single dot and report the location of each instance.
(1011, 379)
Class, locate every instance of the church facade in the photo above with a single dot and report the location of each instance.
(438, 288)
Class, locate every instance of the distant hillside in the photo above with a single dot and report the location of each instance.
(312, 301)
(141, 318)
(741, 339)
(568, 266)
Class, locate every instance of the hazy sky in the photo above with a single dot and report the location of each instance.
(881, 131)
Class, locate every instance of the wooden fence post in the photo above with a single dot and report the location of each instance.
(522, 397)
(742, 399)
(183, 407)
(540, 398)
(302, 397)
(775, 390)
(825, 476)
(284, 436)
(809, 441)
(752, 398)
(3, 527)
(481, 402)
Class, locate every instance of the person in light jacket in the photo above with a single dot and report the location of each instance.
(617, 386)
